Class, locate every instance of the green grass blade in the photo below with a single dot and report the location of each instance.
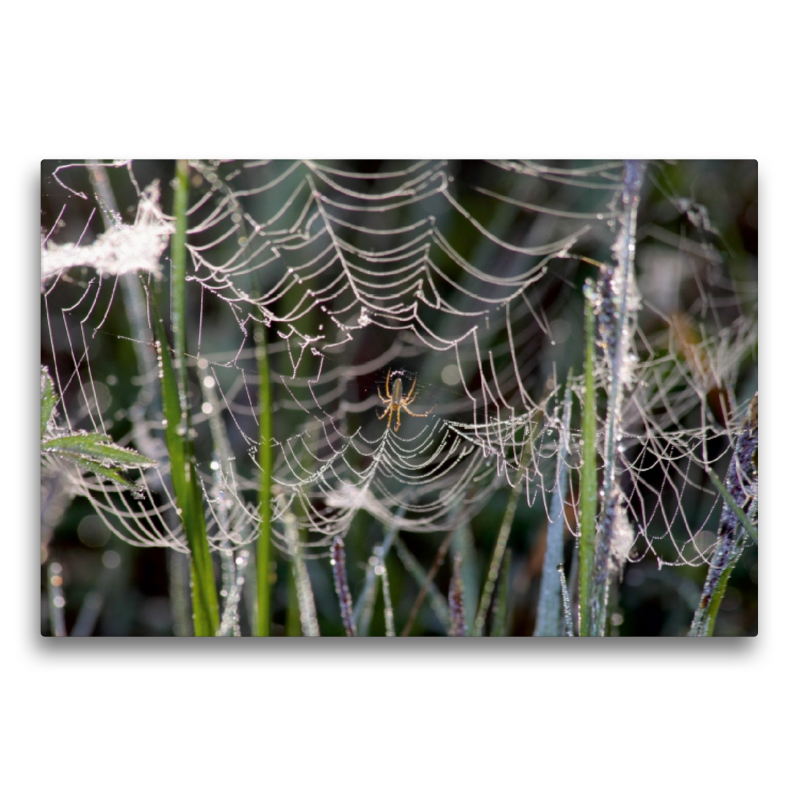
(365, 604)
(302, 582)
(500, 619)
(438, 603)
(294, 625)
(224, 480)
(464, 544)
(588, 471)
(455, 600)
(264, 546)
(568, 627)
(180, 600)
(497, 559)
(178, 278)
(388, 610)
(742, 478)
(174, 386)
(726, 554)
(548, 612)
(503, 535)
(728, 498)
(340, 583)
(706, 618)
(187, 494)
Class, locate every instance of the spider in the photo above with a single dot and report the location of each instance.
(396, 402)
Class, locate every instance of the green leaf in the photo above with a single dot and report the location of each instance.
(103, 471)
(95, 446)
(49, 400)
(91, 452)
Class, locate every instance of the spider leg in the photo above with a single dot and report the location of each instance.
(384, 399)
(388, 375)
(419, 415)
(385, 413)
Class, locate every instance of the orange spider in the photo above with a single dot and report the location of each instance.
(396, 402)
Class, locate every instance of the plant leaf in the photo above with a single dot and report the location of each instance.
(103, 471)
(95, 446)
(49, 399)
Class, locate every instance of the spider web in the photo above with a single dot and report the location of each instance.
(463, 277)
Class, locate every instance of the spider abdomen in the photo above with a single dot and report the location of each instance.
(397, 391)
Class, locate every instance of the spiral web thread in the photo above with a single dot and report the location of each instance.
(455, 275)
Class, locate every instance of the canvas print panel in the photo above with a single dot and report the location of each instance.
(399, 398)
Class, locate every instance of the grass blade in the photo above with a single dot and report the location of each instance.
(503, 535)
(342, 589)
(302, 582)
(188, 495)
(732, 504)
(366, 599)
(588, 470)
(738, 493)
(455, 600)
(548, 613)
(365, 605)
(264, 547)
(618, 305)
(180, 600)
(566, 601)
(178, 279)
(388, 610)
(174, 385)
(705, 616)
(464, 544)
(230, 616)
(500, 617)
(438, 603)
(294, 623)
